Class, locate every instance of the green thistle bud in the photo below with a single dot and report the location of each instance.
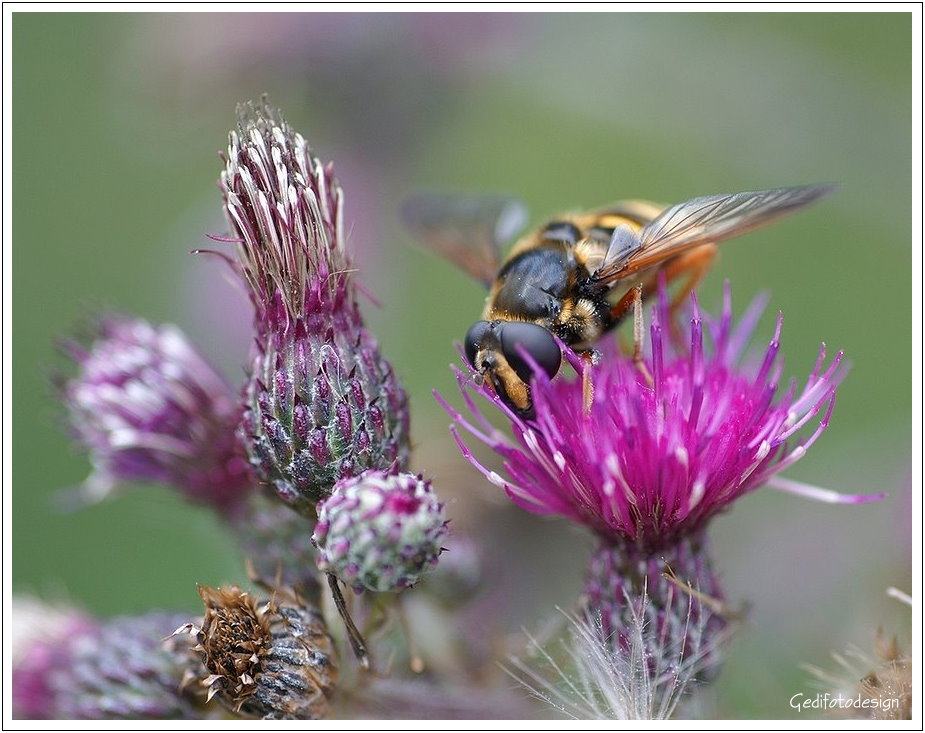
(676, 595)
(380, 531)
(321, 407)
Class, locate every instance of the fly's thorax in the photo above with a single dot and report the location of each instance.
(547, 279)
(543, 291)
(531, 285)
(582, 321)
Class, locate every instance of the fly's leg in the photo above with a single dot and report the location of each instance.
(691, 266)
(633, 299)
(694, 266)
(590, 358)
(639, 334)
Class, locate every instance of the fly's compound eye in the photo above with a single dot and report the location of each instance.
(474, 337)
(536, 341)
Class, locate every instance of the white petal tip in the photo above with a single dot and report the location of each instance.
(899, 595)
(828, 496)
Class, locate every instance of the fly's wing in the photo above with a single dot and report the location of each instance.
(468, 230)
(703, 220)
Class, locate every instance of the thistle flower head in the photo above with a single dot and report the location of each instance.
(380, 531)
(321, 403)
(285, 209)
(69, 666)
(268, 658)
(39, 632)
(149, 407)
(653, 455)
(648, 462)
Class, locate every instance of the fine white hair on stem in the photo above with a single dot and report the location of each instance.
(599, 678)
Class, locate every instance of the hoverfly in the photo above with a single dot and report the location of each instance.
(575, 278)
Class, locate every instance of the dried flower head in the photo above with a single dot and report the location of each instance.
(68, 666)
(322, 403)
(149, 407)
(269, 658)
(888, 682)
(380, 531)
(877, 687)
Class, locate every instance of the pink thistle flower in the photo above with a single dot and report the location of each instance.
(649, 463)
(655, 455)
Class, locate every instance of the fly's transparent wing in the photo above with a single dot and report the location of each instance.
(466, 229)
(624, 243)
(704, 220)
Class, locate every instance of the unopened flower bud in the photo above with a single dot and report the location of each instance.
(380, 531)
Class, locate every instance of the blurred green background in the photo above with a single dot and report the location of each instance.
(117, 120)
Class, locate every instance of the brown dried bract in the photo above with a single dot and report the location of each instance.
(891, 681)
(271, 658)
(234, 636)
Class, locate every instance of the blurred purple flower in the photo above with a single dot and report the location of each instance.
(149, 407)
(38, 631)
(68, 666)
(321, 403)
